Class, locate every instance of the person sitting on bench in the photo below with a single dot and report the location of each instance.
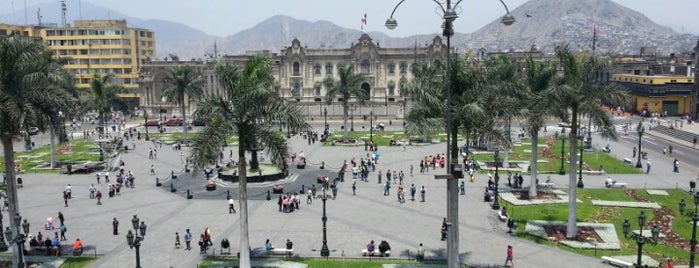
(289, 244)
(371, 247)
(383, 247)
(77, 247)
(503, 212)
(268, 245)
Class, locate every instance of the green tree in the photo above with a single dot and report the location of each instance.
(537, 102)
(248, 109)
(426, 92)
(26, 66)
(103, 98)
(346, 87)
(580, 90)
(186, 84)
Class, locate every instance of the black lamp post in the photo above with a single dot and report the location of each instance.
(683, 207)
(693, 242)
(352, 117)
(563, 147)
(18, 240)
(145, 114)
(325, 117)
(640, 129)
(496, 203)
(324, 251)
(25, 227)
(371, 126)
(449, 15)
(640, 240)
(580, 162)
(626, 226)
(134, 239)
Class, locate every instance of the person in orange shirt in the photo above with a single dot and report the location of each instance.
(78, 247)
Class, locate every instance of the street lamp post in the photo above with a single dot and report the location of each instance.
(324, 251)
(18, 240)
(145, 114)
(580, 162)
(325, 117)
(640, 240)
(371, 126)
(563, 147)
(693, 242)
(134, 239)
(496, 204)
(352, 117)
(449, 14)
(640, 129)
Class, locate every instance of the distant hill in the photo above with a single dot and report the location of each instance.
(544, 23)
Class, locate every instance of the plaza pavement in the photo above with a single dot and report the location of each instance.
(352, 220)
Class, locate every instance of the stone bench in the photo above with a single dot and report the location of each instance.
(616, 262)
(502, 218)
(618, 185)
(366, 252)
(628, 161)
(281, 251)
(546, 184)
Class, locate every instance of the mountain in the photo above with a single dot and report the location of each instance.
(546, 23)
(171, 37)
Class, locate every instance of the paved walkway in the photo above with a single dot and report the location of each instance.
(352, 220)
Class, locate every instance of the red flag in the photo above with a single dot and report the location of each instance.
(363, 21)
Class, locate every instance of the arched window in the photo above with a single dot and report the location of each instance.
(296, 90)
(329, 69)
(391, 89)
(316, 69)
(367, 88)
(297, 68)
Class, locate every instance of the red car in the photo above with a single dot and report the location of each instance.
(152, 123)
(174, 122)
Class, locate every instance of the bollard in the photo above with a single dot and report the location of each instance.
(172, 188)
(172, 174)
(157, 182)
(269, 196)
(228, 194)
(322, 165)
(189, 196)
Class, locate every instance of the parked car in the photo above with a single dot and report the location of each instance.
(198, 123)
(152, 123)
(174, 122)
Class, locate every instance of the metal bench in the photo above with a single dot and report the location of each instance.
(628, 161)
(616, 262)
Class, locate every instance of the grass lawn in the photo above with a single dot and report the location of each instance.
(682, 225)
(77, 262)
(73, 151)
(331, 262)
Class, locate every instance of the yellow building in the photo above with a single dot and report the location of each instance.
(102, 46)
(670, 95)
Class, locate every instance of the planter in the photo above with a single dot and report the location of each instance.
(210, 186)
(278, 189)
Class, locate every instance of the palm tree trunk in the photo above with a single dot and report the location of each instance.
(533, 164)
(508, 133)
(8, 150)
(243, 188)
(345, 137)
(53, 148)
(571, 230)
(184, 121)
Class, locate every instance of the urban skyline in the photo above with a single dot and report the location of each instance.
(214, 18)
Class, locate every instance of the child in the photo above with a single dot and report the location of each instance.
(177, 240)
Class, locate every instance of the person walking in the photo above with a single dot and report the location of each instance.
(462, 188)
(634, 152)
(63, 230)
(510, 257)
(65, 198)
(177, 240)
(188, 240)
(61, 218)
(648, 166)
(676, 166)
(98, 195)
(231, 206)
(92, 190)
(422, 194)
(413, 190)
(115, 226)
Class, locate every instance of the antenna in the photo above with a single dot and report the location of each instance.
(38, 15)
(64, 8)
(594, 39)
(80, 9)
(26, 20)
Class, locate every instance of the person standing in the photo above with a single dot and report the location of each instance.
(676, 166)
(354, 186)
(188, 240)
(413, 190)
(69, 189)
(61, 218)
(115, 226)
(63, 230)
(177, 240)
(462, 188)
(510, 257)
(648, 166)
(634, 152)
(65, 198)
(92, 191)
(98, 195)
(420, 253)
(422, 194)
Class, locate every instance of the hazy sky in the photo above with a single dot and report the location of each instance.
(224, 17)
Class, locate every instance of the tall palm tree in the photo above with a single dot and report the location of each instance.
(186, 83)
(103, 98)
(24, 70)
(426, 91)
(537, 102)
(346, 87)
(579, 90)
(248, 110)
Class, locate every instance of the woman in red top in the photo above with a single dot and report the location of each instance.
(510, 257)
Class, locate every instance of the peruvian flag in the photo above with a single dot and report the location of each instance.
(363, 21)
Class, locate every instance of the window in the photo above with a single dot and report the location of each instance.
(329, 69)
(296, 68)
(391, 68)
(391, 90)
(403, 68)
(316, 69)
(365, 66)
(316, 90)
(296, 90)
